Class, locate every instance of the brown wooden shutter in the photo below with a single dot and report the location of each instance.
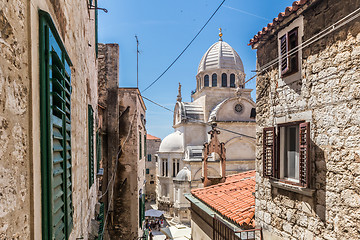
(284, 54)
(269, 151)
(304, 168)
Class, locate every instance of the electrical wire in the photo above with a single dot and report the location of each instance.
(114, 174)
(185, 47)
(189, 118)
(348, 18)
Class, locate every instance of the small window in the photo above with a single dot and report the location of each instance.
(149, 157)
(286, 153)
(147, 171)
(224, 80)
(206, 80)
(152, 182)
(289, 56)
(214, 80)
(232, 80)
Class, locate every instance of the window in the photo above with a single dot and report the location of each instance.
(174, 168)
(176, 165)
(214, 80)
(149, 157)
(91, 144)
(147, 171)
(151, 182)
(288, 54)
(224, 80)
(206, 80)
(286, 153)
(55, 121)
(232, 80)
(164, 167)
(140, 146)
(144, 145)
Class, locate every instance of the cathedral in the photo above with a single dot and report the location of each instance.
(222, 99)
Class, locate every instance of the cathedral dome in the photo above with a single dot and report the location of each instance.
(183, 175)
(220, 56)
(172, 143)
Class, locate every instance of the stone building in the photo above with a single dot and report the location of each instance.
(152, 147)
(48, 113)
(123, 136)
(308, 115)
(220, 98)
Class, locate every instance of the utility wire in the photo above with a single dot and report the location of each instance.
(185, 48)
(189, 118)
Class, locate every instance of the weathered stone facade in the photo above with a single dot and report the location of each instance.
(20, 149)
(327, 95)
(152, 146)
(123, 123)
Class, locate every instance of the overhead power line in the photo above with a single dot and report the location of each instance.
(185, 48)
(209, 124)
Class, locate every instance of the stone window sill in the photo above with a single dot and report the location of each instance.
(301, 190)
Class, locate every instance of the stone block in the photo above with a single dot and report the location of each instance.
(287, 227)
(350, 198)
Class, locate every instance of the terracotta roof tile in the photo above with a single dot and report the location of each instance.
(233, 199)
(283, 15)
(151, 137)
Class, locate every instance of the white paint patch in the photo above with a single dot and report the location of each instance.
(8, 194)
(20, 143)
(4, 139)
(16, 98)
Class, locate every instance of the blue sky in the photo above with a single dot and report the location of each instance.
(164, 28)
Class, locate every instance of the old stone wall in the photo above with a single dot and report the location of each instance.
(152, 146)
(130, 178)
(15, 132)
(20, 165)
(328, 96)
(108, 83)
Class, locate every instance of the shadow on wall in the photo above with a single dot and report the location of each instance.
(294, 206)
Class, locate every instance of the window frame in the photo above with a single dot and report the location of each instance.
(53, 53)
(285, 48)
(292, 73)
(272, 166)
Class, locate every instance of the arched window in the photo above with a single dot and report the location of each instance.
(232, 80)
(206, 80)
(214, 80)
(224, 80)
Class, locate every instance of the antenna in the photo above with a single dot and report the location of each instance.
(137, 61)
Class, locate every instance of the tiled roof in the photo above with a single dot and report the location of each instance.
(283, 15)
(151, 137)
(233, 199)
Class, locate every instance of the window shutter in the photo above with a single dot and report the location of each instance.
(284, 54)
(140, 147)
(304, 134)
(269, 151)
(91, 144)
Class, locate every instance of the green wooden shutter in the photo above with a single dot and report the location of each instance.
(144, 144)
(91, 144)
(140, 147)
(98, 150)
(55, 85)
